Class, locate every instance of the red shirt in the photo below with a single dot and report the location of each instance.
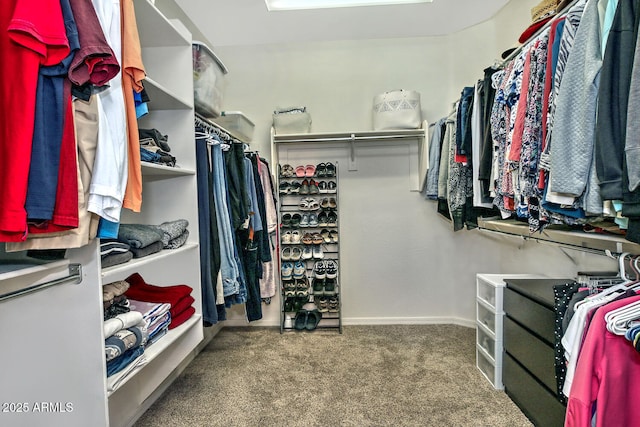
(35, 36)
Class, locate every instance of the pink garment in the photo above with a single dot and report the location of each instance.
(607, 377)
(518, 127)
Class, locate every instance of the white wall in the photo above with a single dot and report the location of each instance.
(401, 262)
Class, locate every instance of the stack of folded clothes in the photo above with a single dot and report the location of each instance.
(114, 301)
(155, 315)
(178, 296)
(114, 252)
(143, 239)
(125, 338)
(174, 233)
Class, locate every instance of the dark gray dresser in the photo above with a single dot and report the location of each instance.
(528, 370)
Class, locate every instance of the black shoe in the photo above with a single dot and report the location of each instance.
(318, 287)
(330, 288)
(313, 318)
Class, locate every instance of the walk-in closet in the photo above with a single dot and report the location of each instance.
(407, 213)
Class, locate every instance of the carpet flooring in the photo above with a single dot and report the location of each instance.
(399, 375)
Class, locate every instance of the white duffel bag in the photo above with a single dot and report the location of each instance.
(397, 109)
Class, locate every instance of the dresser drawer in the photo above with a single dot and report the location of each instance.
(535, 401)
(527, 312)
(533, 353)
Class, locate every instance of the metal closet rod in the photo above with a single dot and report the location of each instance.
(350, 138)
(75, 276)
(214, 128)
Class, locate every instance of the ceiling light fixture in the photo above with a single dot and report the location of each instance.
(325, 4)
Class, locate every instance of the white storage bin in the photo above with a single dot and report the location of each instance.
(208, 81)
(236, 123)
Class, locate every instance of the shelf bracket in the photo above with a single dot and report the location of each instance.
(353, 165)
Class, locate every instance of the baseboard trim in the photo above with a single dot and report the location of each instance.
(373, 321)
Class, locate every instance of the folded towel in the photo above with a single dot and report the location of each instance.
(124, 340)
(110, 246)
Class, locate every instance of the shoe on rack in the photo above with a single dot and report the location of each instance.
(295, 237)
(322, 187)
(294, 188)
(313, 187)
(330, 287)
(313, 220)
(309, 170)
(321, 170)
(296, 253)
(304, 187)
(300, 320)
(286, 237)
(304, 222)
(287, 271)
(285, 188)
(326, 235)
(298, 270)
(307, 253)
(323, 219)
(317, 252)
(331, 269)
(313, 318)
(330, 170)
(286, 254)
(288, 289)
(334, 304)
(332, 219)
(332, 203)
(286, 220)
(318, 287)
(319, 271)
(323, 304)
(333, 235)
(301, 284)
(295, 220)
(286, 171)
(331, 187)
(317, 239)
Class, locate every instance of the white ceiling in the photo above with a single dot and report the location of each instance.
(247, 22)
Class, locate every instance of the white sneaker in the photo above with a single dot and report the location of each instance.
(319, 271)
(331, 268)
(307, 253)
(317, 252)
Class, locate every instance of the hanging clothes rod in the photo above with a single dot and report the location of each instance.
(350, 138)
(75, 276)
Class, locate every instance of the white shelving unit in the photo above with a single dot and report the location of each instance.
(54, 338)
(489, 324)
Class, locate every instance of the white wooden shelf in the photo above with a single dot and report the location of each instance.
(151, 352)
(135, 263)
(155, 170)
(149, 17)
(162, 98)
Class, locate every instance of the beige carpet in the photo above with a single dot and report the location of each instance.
(404, 375)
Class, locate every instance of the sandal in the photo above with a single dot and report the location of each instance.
(300, 171)
(286, 171)
(323, 219)
(317, 239)
(313, 318)
(330, 170)
(307, 239)
(313, 204)
(332, 219)
(309, 170)
(331, 187)
(324, 203)
(286, 237)
(321, 170)
(332, 203)
(322, 187)
(326, 235)
(295, 237)
(294, 187)
(333, 235)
